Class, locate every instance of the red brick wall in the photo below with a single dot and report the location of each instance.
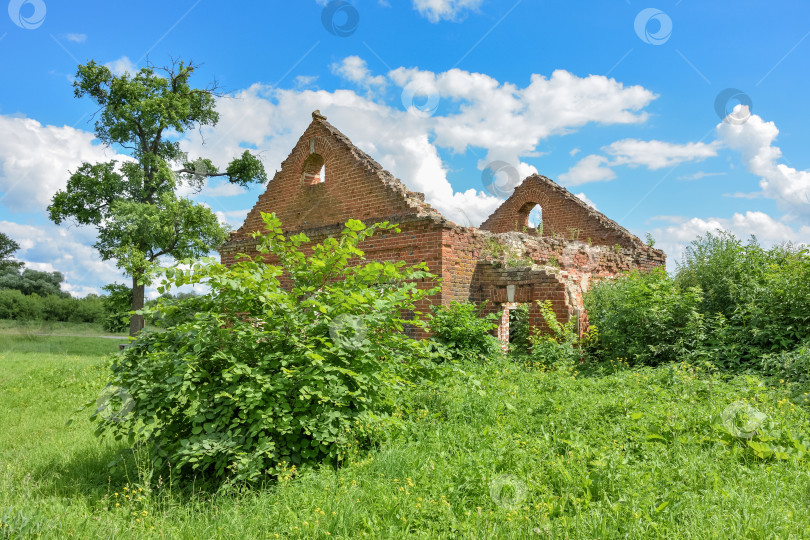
(469, 261)
(542, 268)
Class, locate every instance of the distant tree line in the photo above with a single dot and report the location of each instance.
(34, 295)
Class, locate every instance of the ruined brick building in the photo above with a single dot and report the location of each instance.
(503, 262)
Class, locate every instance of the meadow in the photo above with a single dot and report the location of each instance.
(495, 449)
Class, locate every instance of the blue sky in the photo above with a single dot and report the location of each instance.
(615, 99)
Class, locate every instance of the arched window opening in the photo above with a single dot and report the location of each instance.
(530, 218)
(314, 170)
(536, 218)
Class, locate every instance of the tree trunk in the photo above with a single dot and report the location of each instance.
(136, 322)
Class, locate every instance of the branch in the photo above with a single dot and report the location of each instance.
(197, 173)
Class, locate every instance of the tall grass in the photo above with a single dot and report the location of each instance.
(497, 450)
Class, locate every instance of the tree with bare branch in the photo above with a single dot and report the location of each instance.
(134, 204)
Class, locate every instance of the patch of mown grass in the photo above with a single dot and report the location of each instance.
(497, 450)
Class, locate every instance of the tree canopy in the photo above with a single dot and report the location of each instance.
(7, 249)
(32, 281)
(134, 203)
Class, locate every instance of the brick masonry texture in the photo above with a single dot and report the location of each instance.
(558, 261)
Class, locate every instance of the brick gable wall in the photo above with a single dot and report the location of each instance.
(564, 215)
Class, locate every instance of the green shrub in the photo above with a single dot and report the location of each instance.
(558, 344)
(264, 375)
(16, 305)
(777, 309)
(29, 281)
(645, 317)
(56, 308)
(791, 365)
(720, 265)
(117, 305)
(763, 295)
(464, 330)
(175, 309)
(89, 309)
(519, 331)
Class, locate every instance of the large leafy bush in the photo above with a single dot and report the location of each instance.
(644, 317)
(730, 303)
(292, 361)
(465, 330)
(763, 294)
(558, 344)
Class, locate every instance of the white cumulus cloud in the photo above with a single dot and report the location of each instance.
(657, 154)
(507, 121)
(653, 155)
(355, 69)
(36, 160)
(754, 139)
(591, 168)
(122, 65)
(448, 10)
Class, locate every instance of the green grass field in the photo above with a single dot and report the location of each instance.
(494, 451)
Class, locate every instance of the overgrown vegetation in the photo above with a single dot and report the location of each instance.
(560, 439)
(17, 306)
(558, 344)
(258, 379)
(519, 330)
(465, 330)
(738, 306)
(645, 317)
(498, 449)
